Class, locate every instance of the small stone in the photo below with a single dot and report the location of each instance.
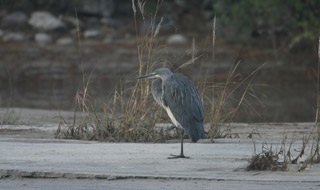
(111, 22)
(14, 20)
(92, 22)
(177, 39)
(91, 33)
(108, 40)
(75, 22)
(109, 178)
(69, 175)
(103, 8)
(64, 41)
(180, 3)
(52, 175)
(45, 21)
(101, 176)
(13, 36)
(24, 173)
(42, 38)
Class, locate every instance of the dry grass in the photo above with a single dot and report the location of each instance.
(10, 117)
(314, 136)
(271, 160)
(133, 114)
(267, 160)
(224, 94)
(219, 95)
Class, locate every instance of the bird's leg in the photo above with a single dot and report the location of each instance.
(170, 128)
(181, 153)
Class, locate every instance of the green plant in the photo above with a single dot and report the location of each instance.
(294, 18)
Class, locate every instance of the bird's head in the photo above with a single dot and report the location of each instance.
(158, 73)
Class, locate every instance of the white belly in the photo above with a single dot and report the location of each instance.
(173, 119)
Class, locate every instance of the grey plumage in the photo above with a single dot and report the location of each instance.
(179, 97)
(183, 99)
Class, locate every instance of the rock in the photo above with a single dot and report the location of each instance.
(1, 33)
(123, 9)
(177, 39)
(14, 20)
(3, 12)
(108, 40)
(74, 22)
(112, 22)
(92, 22)
(103, 8)
(13, 36)
(91, 33)
(42, 38)
(166, 26)
(45, 21)
(180, 3)
(64, 41)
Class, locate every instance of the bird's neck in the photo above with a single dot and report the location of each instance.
(165, 77)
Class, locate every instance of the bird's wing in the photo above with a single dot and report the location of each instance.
(182, 98)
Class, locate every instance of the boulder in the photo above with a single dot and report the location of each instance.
(45, 21)
(14, 20)
(103, 8)
(177, 39)
(65, 41)
(91, 33)
(43, 38)
(13, 36)
(73, 22)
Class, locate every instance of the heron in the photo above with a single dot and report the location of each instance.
(180, 98)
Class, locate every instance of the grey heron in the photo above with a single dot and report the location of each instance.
(179, 97)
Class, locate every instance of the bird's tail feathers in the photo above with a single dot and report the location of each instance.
(196, 131)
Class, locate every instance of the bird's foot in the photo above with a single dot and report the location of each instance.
(177, 156)
(170, 128)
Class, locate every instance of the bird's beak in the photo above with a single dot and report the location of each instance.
(151, 75)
